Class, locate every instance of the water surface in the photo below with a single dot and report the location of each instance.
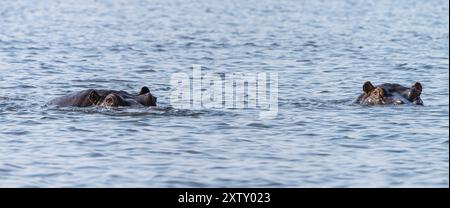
(322, 50)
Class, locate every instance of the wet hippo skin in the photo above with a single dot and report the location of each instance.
(390, 94)
(107, 98)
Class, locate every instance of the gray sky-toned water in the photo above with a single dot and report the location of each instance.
(323, 51)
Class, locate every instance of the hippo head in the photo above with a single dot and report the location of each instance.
(120, 98)
(390, 94)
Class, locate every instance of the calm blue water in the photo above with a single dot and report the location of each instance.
(322, 50)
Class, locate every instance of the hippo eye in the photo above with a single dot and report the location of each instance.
(376, 93)
(109, 100)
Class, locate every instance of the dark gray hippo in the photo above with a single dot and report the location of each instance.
(386, 94)
(107, 98)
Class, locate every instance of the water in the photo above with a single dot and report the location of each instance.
(322, 50)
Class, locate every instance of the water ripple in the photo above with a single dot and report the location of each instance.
(319, 138)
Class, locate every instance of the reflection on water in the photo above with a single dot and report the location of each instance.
(322, 51)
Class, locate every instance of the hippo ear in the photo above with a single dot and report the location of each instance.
(144, 90)
(416, 90)
(368, 87)
(418, 87)
(94, 97)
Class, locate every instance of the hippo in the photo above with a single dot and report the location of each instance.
(106, 98)
(390, 94)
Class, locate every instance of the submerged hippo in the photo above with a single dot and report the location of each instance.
(110, 98)
(390, 94)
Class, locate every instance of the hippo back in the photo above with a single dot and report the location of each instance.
(77, 99)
